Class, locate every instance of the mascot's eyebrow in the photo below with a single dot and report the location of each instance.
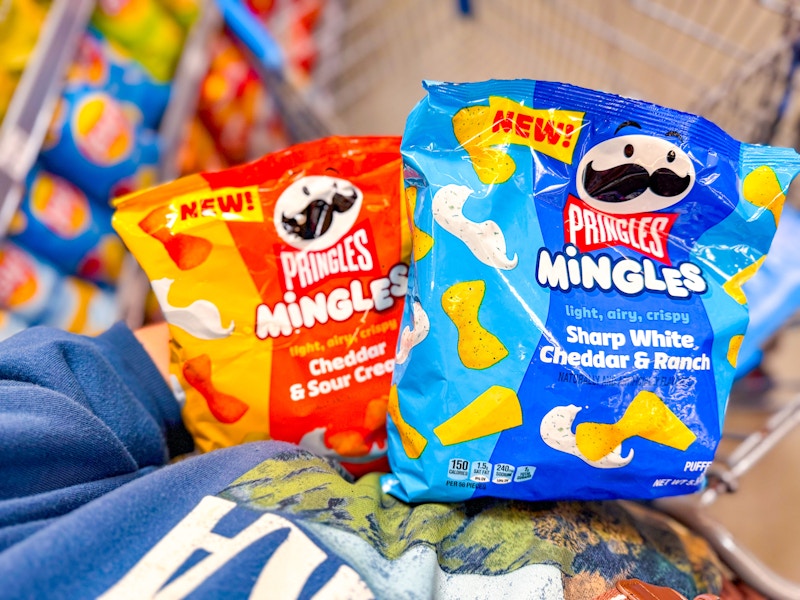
(331, 169)
(627, 124)
(675, 134)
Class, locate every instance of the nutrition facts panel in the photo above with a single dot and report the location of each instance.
(480, 472)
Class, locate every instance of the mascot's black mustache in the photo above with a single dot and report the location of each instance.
(317, 216)
(625, 182)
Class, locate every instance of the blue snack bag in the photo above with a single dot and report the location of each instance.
(57, 221)
(101, 64)
(575, 303)
(82, 307)
(36, 293)
(95, 143)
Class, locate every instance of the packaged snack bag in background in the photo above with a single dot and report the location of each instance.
(20, 22)
(147, 29)
(185, 12)
(198, 151)
(36, 292)
(26, 283)
(81, 307)
(235, 107)
(282, 282)
(96, 143)
(10, 324)
(103, 65)
(575, 297)
(60, 223)
(8, 83)
(293, 23)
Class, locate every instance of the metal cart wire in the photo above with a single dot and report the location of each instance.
(732, 61)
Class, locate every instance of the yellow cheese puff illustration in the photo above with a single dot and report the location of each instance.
(422, 242)
(478, 348)
(647, 417)
(762, 188)
(734, 285)
(733, 349)
(413, 441)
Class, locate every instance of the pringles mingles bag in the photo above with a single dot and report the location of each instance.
(283, 282)
(575, 300)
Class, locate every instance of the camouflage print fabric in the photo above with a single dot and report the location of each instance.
(591, 544)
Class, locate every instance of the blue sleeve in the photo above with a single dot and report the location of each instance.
(77, 410)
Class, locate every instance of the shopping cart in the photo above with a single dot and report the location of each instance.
(734, 62)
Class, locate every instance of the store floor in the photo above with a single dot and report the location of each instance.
(764, 513)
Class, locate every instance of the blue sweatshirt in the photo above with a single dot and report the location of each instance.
(92, 506)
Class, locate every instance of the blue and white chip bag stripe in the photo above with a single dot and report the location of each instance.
(575, 303)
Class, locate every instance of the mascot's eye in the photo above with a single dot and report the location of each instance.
(305, 191)
(629, 150)
(671, 156)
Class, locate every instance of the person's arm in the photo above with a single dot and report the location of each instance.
(155, 340)
(77, 409)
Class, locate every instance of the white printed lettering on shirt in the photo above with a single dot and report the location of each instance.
(284, 574)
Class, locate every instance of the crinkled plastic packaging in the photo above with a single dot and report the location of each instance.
(100, 146)
(57, 221)
(283, 282)
(575, 300)
(101, 64)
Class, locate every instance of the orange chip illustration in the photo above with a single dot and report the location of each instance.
(224, 407)
(186, 251)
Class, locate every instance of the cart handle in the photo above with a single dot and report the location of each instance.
(253, 34)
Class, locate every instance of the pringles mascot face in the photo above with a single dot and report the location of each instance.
(316, 211)
(634, 174)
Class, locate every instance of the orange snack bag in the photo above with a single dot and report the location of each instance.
(283, 282)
